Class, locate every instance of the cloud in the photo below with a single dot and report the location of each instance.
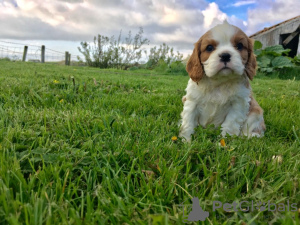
(241, 3)
(270, 12)
(169, 21)
(213, 15)
(177, 23)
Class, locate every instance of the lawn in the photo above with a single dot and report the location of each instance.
(81, 145)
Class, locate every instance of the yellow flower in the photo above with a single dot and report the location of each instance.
(222, 143)
(174, 138)
(61, 101)
(55, 81)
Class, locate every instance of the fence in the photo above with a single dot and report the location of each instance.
(34, 53)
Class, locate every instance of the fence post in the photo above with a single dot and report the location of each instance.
(43, 54)
(69, 60)
(25, 53)
(66, 58)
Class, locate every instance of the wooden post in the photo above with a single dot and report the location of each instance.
(43, 54)
(66, 58)
(25, 53)
(291, 36)
(69, 60)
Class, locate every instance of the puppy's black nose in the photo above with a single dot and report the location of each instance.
(225, 57)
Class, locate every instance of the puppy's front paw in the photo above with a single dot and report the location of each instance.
(185, 138)
(230, 132)
(254, 134)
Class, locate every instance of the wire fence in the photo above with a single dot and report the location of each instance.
(34, 53)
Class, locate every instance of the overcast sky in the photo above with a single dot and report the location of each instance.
(62, 24)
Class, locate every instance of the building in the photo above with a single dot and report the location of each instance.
(285, 34)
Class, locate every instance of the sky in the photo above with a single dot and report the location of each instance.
(62, 25)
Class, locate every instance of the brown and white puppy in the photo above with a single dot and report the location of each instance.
(219, 90)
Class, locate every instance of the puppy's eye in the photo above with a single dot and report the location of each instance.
(240, 46)
(209, 48)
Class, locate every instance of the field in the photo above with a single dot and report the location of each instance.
(81, 145)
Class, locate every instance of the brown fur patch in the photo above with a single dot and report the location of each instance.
(241, 37)
(194, 66)
(247, 54)
(261, 128)
(247, 83)
(254, 107)
(206, 41)
(263, 125)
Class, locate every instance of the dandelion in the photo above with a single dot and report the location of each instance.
(222, 143)
(55, 81)
(61, 101)
(174, 138)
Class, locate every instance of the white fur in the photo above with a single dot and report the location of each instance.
(221, 97)
(222, 33)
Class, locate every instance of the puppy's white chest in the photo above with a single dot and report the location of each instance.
(212, 113)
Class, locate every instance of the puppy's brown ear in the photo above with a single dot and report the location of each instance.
(193, 66)
(250, 68)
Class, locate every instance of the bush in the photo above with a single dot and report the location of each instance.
(161, 66)
(272, 58)
(5, 59)
(163, 53)
(296, 60)
(107, 52)
(111, 53)
(177, 67)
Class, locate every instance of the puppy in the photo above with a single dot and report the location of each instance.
(219, 91)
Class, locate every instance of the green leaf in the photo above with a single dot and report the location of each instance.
(276, 50)
(257, 45)
(281, 62)
(264, 60)
(258, 52)
(296, 60)
(267, 69)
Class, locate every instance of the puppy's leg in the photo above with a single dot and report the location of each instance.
(189, 119)
(255, 124)
(235, 118)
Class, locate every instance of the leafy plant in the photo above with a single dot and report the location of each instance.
(163, 53)
(108, 52)
(296, 60)
(272, 57)
(177, 67)
(5, 59)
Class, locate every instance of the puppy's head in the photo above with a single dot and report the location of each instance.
(225, 50)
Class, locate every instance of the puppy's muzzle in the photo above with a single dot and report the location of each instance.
(225, 57)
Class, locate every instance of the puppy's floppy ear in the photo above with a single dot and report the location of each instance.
(193, 66)
(250, 67)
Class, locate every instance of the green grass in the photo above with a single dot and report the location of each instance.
(103, 154)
